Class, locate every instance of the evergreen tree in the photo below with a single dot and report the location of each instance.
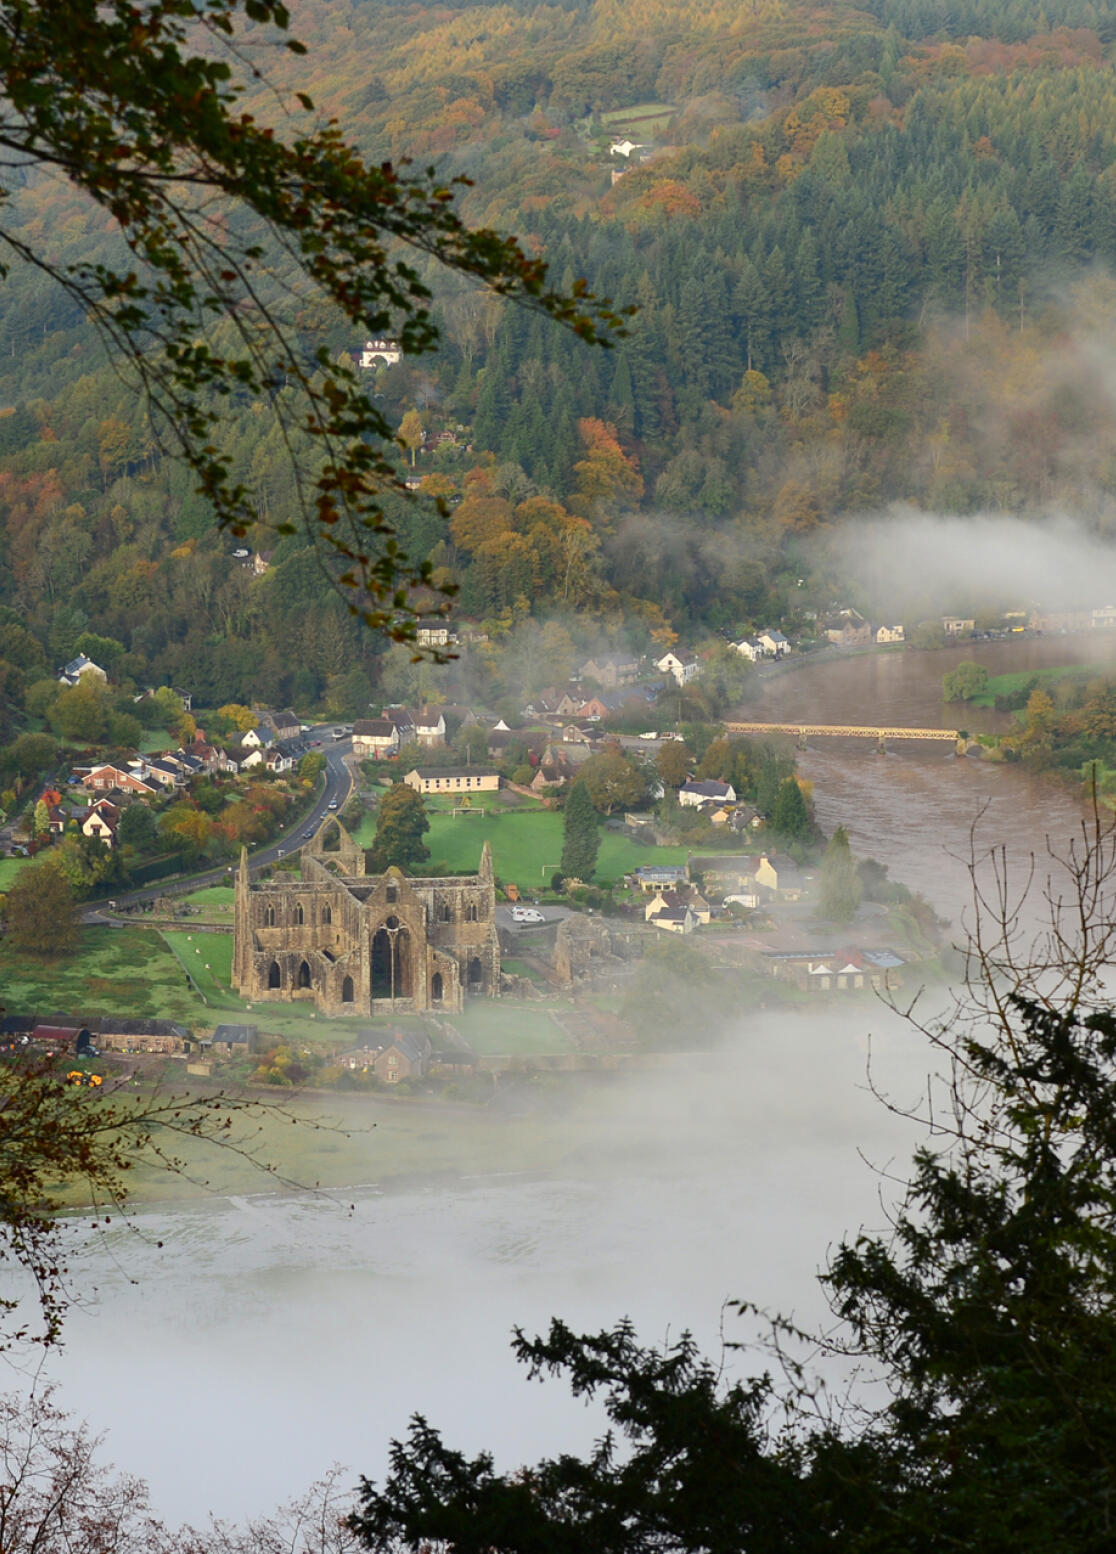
(581, 835)
(791, 819)
(840, 883)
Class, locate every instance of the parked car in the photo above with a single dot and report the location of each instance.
(524, 914)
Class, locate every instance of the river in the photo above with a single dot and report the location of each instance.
(912, 807)
(233, 1349)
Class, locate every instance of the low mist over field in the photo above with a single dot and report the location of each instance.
(268, 1336)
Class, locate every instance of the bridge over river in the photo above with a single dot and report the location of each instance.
(804, 731)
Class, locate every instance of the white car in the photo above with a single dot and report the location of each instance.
(522, 914)
(650, 734)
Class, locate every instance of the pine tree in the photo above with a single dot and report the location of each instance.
(840, 883)
(580, 835)
(791, 818)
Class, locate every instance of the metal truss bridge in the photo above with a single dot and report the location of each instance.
(804, 731)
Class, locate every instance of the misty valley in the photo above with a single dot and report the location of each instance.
(557, 776)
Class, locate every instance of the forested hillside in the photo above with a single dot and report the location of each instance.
(870, 247)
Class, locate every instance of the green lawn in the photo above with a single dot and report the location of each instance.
(9, 868)
(523, 1029)
(115, 971)
(527, 846)
(1006, 684)
(214, 903)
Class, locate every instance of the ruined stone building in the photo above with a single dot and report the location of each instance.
(350, 942)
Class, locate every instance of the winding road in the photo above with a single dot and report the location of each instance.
(335, 794)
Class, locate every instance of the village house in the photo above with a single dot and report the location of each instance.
(549, 774)
(100, 779)
(677, 919)
(693, 794)
(773, 643)
(375, 738)
(673, 900)
(168, 774)
(379, 352)
(78, 669)
(280, 758)
(848, 628)
(430, 727)
(403, 720)
(435, 634)
(890, 634)
(724, 872)
(659, 876)
(610, 670)
(958, 626)
(682, 667)
(452, 779)
(406, 1058)
(781, 874)
(833, 971)
(259, 738)
(750, 648)
(102, 821)
(285, 724)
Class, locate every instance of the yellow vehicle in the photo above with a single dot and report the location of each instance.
(77, 1077)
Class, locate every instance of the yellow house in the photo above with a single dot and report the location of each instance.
(452, 779)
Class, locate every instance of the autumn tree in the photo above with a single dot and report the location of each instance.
(612, 781)
(40, 911)
(401, 824)
(674, 762)
(153, 126)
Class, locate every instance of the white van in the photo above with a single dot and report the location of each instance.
(524, 914)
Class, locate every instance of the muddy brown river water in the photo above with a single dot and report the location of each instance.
(912, 808)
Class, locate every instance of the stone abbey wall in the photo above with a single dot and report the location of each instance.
(353, 943)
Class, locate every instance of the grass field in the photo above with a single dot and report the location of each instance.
(115, 971)
(527, 846)
(9, 868)
(1007, 684)
(639, 122)
(506, 1027)
(214, 903)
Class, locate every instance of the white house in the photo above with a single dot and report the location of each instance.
(681, 666)
(750, 648)
(625, 148)
(258, 738)
(379, 353)
(890, 634)
(430, 727)
(77, 669)
(773, 643)
(691, 795)
(375, 737)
